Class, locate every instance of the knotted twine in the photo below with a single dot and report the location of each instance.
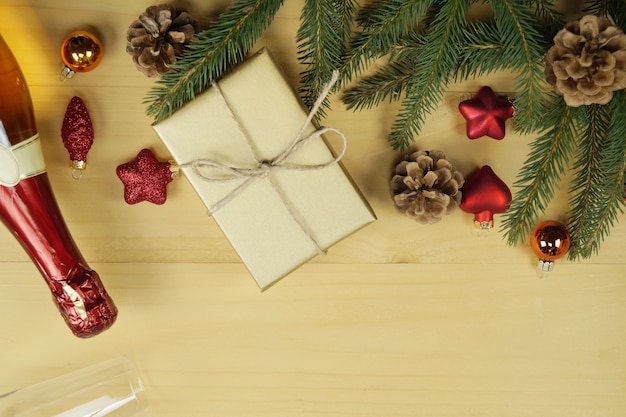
(263, 168)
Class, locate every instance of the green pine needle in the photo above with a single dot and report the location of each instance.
(599, 185)
(548, 18)
(382, 24)
(322, 36)
(225, 43)
(616, 9)
(544, 167)
(436, 67)
(520, 34)
(387, 84)
(483, 51)
(586, 195)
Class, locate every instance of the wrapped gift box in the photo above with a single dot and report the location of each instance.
(278, 222)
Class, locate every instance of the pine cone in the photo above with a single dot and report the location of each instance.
(588, 61)
(425, 186)
(158, 36)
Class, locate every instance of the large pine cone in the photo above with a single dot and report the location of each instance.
(426, 186)
(588, 61)
(158, 36)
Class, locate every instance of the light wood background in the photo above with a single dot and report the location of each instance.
(400, 319)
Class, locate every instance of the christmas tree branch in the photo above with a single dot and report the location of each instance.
(592, 227)
(586, 191)
(483, 51)
(517, 28)
(436, 67)
(390, 80)
(550, 19)
(383, 23)
(544, 167)
(616, 9)
(323, 33)
(386, 84)
(223, 44)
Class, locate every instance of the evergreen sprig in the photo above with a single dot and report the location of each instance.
(381, 25)
(322, 37)
(615, 9)
(586, 195)
(483, 51)
(439, 56)
(525, 50)
(548, 17)
(225, 43)
(541, 173)
(591, 221)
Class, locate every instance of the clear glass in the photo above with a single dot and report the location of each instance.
(110, 388)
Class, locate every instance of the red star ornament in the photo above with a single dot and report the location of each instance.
(486, 114)
(145, 178)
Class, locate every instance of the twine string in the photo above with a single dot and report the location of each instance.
(206, 169)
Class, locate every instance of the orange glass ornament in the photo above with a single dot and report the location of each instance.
(550, 241)
(81, 51)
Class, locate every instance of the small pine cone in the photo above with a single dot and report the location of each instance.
(426, 186)
(588, 61)
(158, 36)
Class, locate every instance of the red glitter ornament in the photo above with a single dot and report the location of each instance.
(486, 114)
(485, 194)
(145, 178)
(77, 134)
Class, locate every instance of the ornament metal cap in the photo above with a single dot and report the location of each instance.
(81, 51)
(544, 266)
(77, 169)
(483, 227)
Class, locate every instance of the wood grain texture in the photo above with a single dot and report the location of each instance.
(398, 319)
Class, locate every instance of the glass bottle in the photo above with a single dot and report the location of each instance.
(29, 210)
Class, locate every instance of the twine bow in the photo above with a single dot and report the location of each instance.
(203, 167)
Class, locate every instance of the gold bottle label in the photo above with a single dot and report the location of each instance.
(20, 161)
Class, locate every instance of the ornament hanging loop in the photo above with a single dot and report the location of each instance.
(77, 174)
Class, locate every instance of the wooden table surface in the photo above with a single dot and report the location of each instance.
(399, 319)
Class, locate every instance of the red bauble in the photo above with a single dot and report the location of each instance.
(145, 178)
(486, 114)
(485, 194)
(77, 133)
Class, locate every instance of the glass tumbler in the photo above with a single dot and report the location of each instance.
(111, 388)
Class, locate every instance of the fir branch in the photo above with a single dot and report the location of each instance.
(223, 44)
(437, 66)
(389, 81)
(586, 195)
(616, 9)
(383, 23)
(548, 17)
(608, 186)
(386, 84)
(522, 37)
(542, 170)
(322, 36)
(483, 51)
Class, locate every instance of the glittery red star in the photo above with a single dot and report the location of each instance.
(145, 178)
(485, 114)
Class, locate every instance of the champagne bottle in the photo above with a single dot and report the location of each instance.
(29, 210)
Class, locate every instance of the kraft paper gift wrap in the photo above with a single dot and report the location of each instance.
(275, 223)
